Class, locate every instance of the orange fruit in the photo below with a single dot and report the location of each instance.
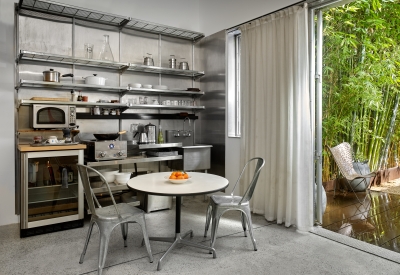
(172, 177)
(185, 176)
(177, 174)
(180, 177)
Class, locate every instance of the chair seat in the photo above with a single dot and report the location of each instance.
(227, 200)
(109, 213)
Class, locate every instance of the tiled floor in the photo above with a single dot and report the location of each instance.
(376, 221)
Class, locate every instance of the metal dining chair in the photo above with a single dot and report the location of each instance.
(219, 204)
(343, 156)
(108, 217)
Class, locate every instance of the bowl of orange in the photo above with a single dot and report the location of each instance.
(178, 177)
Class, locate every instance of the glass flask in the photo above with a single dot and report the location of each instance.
(105, 53)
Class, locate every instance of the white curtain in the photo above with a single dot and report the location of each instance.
(276, 115)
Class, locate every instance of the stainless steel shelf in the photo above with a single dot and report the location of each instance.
(162, 70)
(120, 66)
(68, 86)
(163, 145)
(144, 91)
(51, 10)
(63, 59)
(131, 160)
(27, 102)
(167, 107)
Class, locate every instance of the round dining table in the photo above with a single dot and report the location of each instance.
(159, 184)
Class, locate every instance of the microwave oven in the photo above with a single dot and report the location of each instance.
(52, 116)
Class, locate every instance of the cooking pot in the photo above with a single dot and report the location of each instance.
(53, 76)
(112, 136)
(183, 65)
(95, 80)
(148, 61)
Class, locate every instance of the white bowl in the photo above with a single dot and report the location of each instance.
(109, 174)
(122, 178)
(136, 85)
(147, 86)
(160, 87)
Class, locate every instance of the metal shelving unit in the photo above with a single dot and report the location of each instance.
(120, 66)
(68, 86)
(55, 11)
(161, 70)
(63, 59)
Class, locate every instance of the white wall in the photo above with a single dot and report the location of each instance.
(207, 16)
(216, 15)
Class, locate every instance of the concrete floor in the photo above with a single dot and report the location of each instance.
(280, 250)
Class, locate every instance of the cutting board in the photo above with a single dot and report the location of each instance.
(51, 98)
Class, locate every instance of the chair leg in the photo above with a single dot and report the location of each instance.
(243, 223)
(208, 218)
(124, 229)
(250, 224)
(214, 227)
(86, 242)
(142, 222)
(104, 239)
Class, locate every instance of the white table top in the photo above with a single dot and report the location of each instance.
(158, 184)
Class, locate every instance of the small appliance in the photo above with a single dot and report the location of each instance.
(52, 116)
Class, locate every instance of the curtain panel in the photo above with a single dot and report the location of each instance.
(275, 116)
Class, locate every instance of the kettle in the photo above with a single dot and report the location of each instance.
(151, 133)
(142, 134)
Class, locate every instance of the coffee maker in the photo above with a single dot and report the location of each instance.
(141, 134)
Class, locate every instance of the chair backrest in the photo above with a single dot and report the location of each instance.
(89, 194)
(343, 156)
(250, 189)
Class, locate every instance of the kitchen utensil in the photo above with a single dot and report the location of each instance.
(110, 136)
(54, 76)
(172, 62)
(106, 112)
(183, 65)
(143, 138)
(109, 174)
(150, 129)
(88, 50)
(52, 139)
(96, 110)
(37, 139)
(79, 96)
(105, 53)
(136, 85)
(67, 135)
(148, 60)
(122, 178)
(95, 80)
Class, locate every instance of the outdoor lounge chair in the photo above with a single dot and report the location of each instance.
(343, 156)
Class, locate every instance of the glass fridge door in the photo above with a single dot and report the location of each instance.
(52, 192)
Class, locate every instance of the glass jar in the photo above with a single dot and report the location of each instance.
(105, 53)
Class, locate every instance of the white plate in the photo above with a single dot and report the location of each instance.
(177, 181)
(147, 86)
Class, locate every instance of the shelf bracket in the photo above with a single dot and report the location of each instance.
(123, 69)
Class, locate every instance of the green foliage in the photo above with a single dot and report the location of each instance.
(361, 78)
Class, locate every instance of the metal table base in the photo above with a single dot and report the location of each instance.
(178, 237)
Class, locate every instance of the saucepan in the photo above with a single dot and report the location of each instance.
(54, 76)
(95, 80)
(109, 136)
